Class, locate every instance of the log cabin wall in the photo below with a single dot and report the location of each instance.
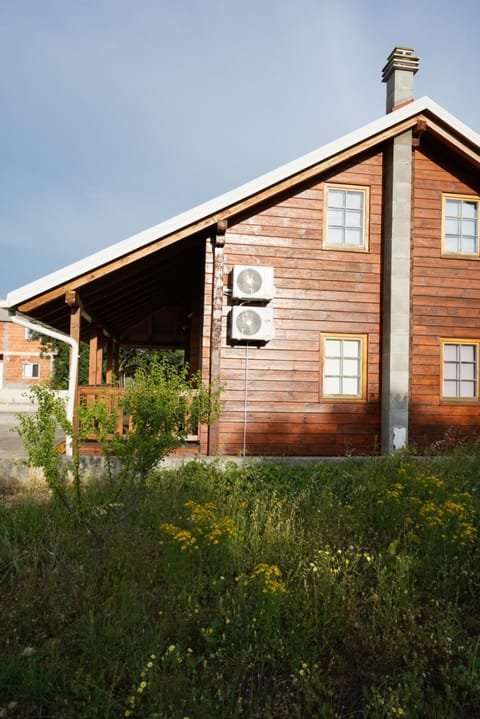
(445, 297)
(277, 387)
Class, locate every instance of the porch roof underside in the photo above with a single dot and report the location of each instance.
(168, 280)
(163, 267)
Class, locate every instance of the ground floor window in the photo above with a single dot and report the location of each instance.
(460, 369)
(343, 360)
(31, 370)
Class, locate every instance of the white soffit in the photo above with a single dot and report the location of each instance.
(222, 202)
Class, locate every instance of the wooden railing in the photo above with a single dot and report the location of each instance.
(111, 396)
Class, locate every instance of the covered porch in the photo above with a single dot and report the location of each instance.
(150, 299)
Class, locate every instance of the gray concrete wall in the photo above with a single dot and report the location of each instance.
(16, 399)
(396, 297)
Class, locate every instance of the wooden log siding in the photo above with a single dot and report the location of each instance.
(316, 290)
(203, 430)
(445, 299)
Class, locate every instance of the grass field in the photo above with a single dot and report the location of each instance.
(338, 590)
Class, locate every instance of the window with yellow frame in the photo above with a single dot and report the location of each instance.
(343, 362)
(460, 369)
(346, 217)
(460, 225)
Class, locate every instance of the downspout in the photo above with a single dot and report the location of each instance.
(73, 365)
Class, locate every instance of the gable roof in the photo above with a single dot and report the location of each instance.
(223, 206)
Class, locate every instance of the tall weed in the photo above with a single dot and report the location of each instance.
(336, 590)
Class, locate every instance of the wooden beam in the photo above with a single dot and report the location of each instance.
(73, 299)
(470, 154)
(418, 131)
(216, 324)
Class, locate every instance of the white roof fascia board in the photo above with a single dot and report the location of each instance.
(242, 192)
(451, 120)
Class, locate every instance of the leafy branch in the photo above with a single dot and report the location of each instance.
(165, 405)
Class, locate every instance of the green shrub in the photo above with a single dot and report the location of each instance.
(165, 404)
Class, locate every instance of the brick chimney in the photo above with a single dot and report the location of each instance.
(398, 73)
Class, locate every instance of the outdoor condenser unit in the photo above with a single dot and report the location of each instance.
(253, 283)
(254, 324)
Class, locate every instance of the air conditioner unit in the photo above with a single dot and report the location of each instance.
(252, 283)
(254, 324)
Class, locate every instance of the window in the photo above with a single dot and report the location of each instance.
(345, 225)
(460, 223)
(31, 370)
(460, 369)
(344, 373)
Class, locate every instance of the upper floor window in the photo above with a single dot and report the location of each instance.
(344, 366)
(460, 369)
(346, 217)
(460, 222)
(31, 370)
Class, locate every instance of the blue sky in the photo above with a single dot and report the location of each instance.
(118, 114)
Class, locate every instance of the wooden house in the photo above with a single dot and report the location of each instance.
(337, 297)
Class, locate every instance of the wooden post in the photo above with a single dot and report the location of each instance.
(109, 374)
(99, 377)
(92, 355)
(95, 356)
(216, 324)
(116, 362)
(194, 341)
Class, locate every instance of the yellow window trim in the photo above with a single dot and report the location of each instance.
(468, 198)
(363, 339)
(458, 341)
(365, 189)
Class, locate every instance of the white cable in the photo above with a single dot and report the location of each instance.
(245, 402)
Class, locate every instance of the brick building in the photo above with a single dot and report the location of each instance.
(20, 361)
